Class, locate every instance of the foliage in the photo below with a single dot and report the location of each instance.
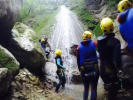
(33, 8)
(97, 30)
(86, 17)
(44, 26)
(39, 15)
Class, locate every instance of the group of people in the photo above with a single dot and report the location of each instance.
(109, 49)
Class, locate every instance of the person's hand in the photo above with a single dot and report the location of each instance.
(120, 73)
(81, 68)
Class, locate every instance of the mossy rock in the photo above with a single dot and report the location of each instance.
(7, 60)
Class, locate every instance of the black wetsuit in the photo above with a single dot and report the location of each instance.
(110, 62)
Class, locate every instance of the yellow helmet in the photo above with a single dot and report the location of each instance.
(124, 5)
(58, 52)
(42, 40)
(107, 25)
(87, 35)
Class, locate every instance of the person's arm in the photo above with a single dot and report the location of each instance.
(117, 55)
(49, 45)
(59, 63)
(121, 18)
(78, 58)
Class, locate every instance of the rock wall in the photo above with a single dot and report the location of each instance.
(9, 11)
(33, 60)
(5, 81)
(7, 60)
(9, 67)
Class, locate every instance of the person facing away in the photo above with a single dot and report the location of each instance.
(44, 45)
(125, 19)
(110, 57)
(87, 61)
(60, 70)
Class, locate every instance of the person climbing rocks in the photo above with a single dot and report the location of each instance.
(87, 61)
(60, 70)
(110, 57)
(44, 44)
(125, 19)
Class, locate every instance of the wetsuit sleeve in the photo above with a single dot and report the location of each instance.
(117, 55)
(59, 63)
(78, 58)
(77, 51)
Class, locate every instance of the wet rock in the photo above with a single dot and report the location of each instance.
(23, 49)
(76, 78)
(7, 60)
(27, 87)
(50, 75)
(30, 57)
(24, 36)
(5, 81)
(49, 84)
(9, 11)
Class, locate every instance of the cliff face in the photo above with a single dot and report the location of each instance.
(9, 11)
(94, 4)
(102, 8)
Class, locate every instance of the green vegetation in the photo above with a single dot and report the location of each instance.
(7, 61)
(32, 9)
(86, 17)
(97, 30)
(39, 15)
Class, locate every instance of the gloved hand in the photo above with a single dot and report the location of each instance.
(120, 74)
(81, 68)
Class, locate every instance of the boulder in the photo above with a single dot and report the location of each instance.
(7, 60)
(5, 81)
(51, 75)
(9, 12)
(24, 36)
(27, 86)
(29, 58)
(76, 78)
(25, 49)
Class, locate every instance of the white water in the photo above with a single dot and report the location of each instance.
(67, 31)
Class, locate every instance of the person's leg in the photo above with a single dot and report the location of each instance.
(58, 85)
(43, 49)
(86, 89)
(112, 92)
(94, 89)
(63, 82)
(47, 53)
